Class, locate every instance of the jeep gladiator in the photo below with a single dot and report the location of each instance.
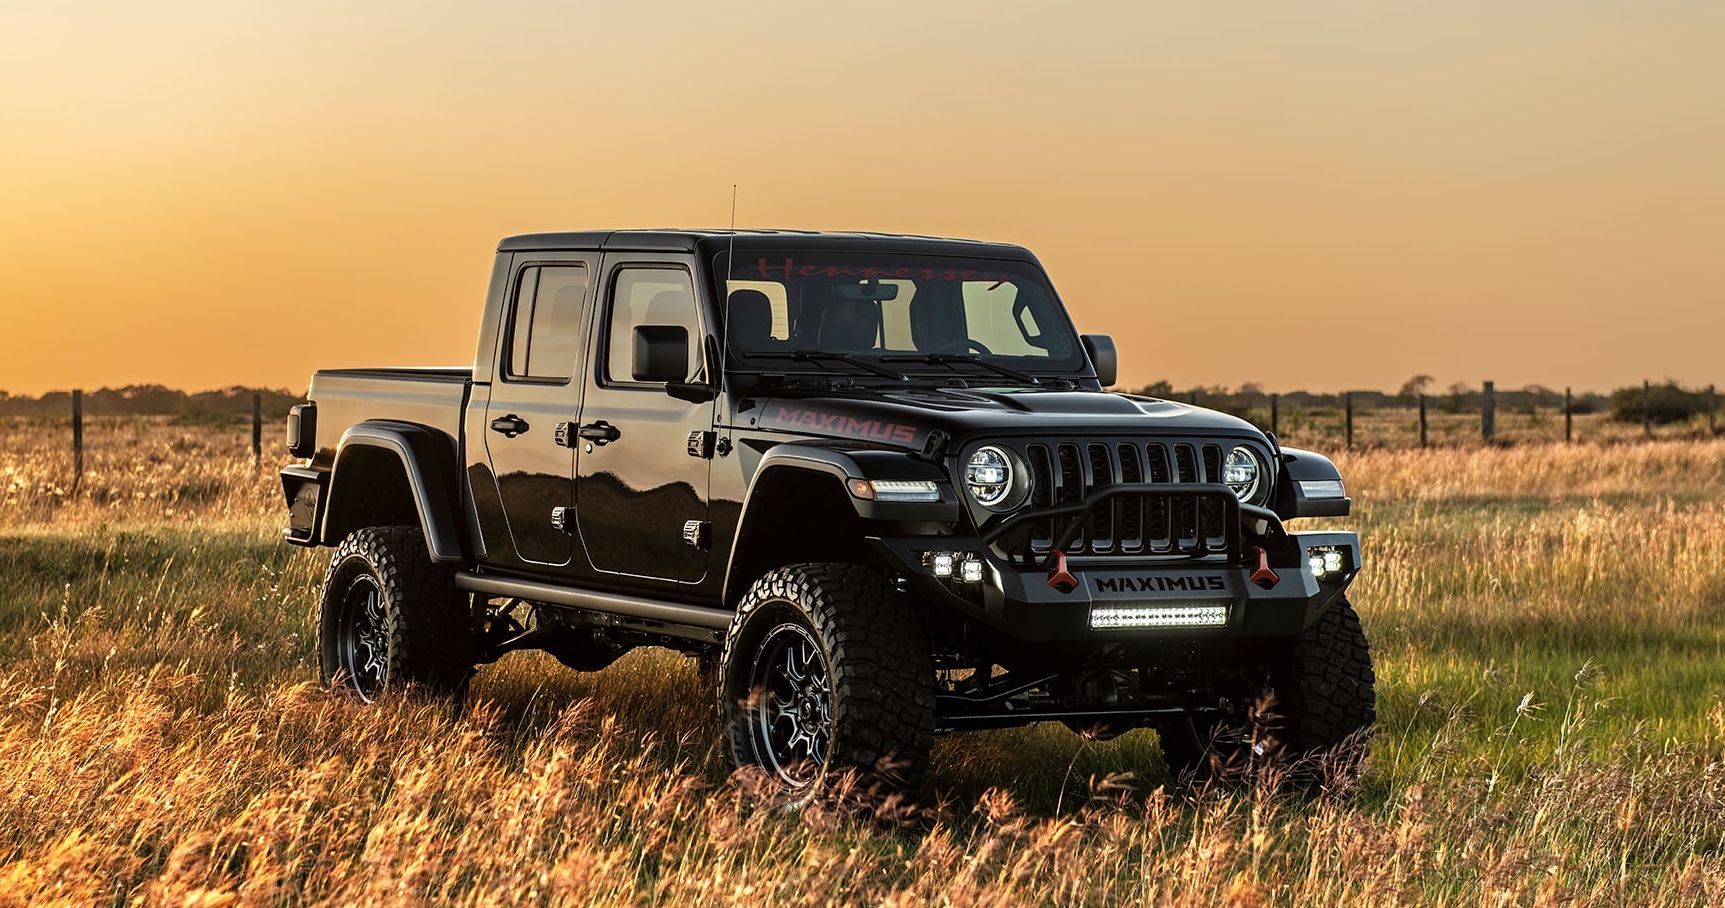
(873, 484)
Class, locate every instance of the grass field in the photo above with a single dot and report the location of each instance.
(1548, 623)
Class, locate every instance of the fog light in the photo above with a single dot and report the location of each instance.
(1113, 617)
(971, 570)
(941, 564)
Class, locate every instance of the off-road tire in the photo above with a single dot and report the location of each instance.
(427, 631)
(881, 676)
(1319, 721)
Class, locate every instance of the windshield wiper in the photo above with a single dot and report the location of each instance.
(974, 358)
(805, 356)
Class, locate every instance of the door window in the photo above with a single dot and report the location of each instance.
(649, 296)
(545, 326)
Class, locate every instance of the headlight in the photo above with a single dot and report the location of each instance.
(1244, 473)
(988, 475)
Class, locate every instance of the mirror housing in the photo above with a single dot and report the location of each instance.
(1103, 359)
(661, 353)
(691, 392)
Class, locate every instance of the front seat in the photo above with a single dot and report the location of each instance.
(749, 315)
(674, 307)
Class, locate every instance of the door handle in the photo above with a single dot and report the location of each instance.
(510, 425)
(599, 433)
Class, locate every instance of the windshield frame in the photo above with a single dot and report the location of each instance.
(1076, 366)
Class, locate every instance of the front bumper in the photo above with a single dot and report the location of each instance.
(1217, 591)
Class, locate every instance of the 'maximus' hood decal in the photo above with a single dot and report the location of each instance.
(827, 417)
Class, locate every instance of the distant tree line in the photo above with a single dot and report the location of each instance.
(155, 400)
(1667, 403)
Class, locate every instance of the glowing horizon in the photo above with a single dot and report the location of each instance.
(221, 195)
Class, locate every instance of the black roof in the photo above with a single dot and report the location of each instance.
(709, 241)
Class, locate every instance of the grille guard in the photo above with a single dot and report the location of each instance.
(1267, 523)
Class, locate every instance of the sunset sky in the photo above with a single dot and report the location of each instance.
(1302, 195)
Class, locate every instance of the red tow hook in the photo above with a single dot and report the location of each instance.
(1058, 576)
(1263, 576)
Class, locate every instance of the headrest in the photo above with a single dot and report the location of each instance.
(667, 307)
(849, 325)
(749, 314)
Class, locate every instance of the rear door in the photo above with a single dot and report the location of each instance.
(543, 351)
(642, 496)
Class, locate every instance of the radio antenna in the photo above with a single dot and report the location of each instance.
(725, 286)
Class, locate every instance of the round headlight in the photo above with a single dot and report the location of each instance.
(1243, 473)
(989, 476)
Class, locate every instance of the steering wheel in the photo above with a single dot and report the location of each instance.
(964, 345)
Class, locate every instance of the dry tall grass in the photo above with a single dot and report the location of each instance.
(1547, 623)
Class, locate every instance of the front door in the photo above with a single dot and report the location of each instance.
(641, 496)
(537, 387)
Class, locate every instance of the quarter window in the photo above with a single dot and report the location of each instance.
(545, 328)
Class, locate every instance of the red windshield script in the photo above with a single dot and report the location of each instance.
(766, 270)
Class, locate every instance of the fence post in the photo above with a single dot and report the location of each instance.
(257, 431)
(1348, 409)
(1568, 417)
(1488, 414)
(77, 437)
(1647, 409)
(1422, 420)
(1712, 411)
(1275, 402)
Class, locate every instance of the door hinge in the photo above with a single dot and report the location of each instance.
(565, 435)
(563, 519)
(698, 533)
(701, 444)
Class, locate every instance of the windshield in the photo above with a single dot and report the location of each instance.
(922, 314)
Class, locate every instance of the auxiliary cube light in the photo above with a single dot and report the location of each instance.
(965, 567)
(1325, 561)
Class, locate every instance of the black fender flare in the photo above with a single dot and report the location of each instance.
(842, 466)
(430, 461)
(1298, 467)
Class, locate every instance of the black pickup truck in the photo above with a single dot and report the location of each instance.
(873, 484)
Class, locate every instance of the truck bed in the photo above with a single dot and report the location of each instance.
(430, 396)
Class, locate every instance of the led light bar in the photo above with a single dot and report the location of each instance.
(1113, 617)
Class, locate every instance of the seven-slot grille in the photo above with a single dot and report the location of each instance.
(1066, 472)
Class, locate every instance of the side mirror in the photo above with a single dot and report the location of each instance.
(661, 353)
(1102, 357)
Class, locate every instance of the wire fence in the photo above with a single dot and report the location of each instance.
(1372, 419)
(1354, 419)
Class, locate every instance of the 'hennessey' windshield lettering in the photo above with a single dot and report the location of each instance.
(766, 270)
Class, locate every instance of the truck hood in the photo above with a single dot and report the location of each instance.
(905, 417)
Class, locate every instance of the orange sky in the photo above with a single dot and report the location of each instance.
(1300, 195)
